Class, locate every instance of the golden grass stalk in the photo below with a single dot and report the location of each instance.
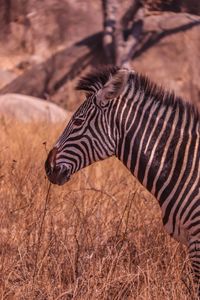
(100, 236)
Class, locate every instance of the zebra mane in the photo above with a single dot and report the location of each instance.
(167, 97)
(95, 80)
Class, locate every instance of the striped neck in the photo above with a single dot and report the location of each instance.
(156, 134)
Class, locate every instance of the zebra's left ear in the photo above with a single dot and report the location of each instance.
(114, 87)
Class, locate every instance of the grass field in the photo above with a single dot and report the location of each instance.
(99, 236)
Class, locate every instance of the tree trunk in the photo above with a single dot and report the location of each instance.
(110, 10)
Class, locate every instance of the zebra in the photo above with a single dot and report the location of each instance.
(153, 132)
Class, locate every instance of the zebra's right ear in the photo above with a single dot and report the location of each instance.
(113, 88)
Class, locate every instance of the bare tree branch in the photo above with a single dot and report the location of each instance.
(124, 36)
(130, 13)
(110, 8)
(135, 34)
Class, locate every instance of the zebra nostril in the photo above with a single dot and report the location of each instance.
(64, 171)
(59, 170)
(60, 175)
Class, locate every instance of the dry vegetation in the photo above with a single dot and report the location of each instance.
(98, 237)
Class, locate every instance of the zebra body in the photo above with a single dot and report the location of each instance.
(155, 135)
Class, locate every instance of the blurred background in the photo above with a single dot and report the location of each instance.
(46, 45)
(100, 236)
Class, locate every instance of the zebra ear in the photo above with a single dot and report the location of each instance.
(114, 87)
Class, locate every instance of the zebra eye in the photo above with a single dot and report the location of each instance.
(78, 122)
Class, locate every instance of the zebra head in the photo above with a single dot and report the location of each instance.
(90, 134)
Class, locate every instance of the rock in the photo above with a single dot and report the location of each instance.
(6, 77)
(172, 58)
(27, 109)
(190, 6)
(44, 78)
(21, 24)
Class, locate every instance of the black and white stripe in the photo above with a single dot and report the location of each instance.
(155, 135)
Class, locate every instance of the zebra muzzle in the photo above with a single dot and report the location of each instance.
(57, 174)
(60, 175)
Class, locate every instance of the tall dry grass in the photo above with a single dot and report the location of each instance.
(98, 237)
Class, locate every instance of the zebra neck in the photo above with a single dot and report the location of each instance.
(154, 144)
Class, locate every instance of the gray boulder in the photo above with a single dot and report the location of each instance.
(27, 109)
(173, 58)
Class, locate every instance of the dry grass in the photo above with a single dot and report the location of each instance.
(99, 237)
